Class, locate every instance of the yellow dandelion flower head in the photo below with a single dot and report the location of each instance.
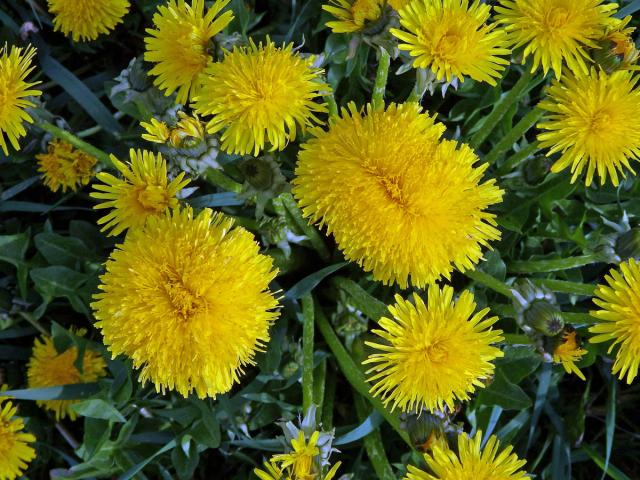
(398, 4)
(354, 15)
(568, 352)
(433, 355)
(188, 128)
(15, 450)
(554, 32)
(187, 299)
(84, 20)
(593, 121)
(180, 43)
(143, 191)
(453, 39)
(619, 317)
(398, 201)
(157, 131)
(260, 94)
(15, 66)
(472, 462)
(271, 472)
(63, 166)
(622, 44)
(49, 368)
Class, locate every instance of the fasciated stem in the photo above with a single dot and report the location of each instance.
(380, 84)
(307, 351)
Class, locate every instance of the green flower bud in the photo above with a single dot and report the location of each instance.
(544, 317)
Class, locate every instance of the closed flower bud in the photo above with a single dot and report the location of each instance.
(544, 317)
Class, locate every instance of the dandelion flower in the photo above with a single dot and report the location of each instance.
(354, 15)
(260, 94)
(568, 352)
(453, 39)
(303, 462)
(84, 20)
(187, 299)
(594, 122)
(398, 201)
(472, 462)
(398, 4)
(188, 129)
(15, 451)
(50, 368)
(554, 32)
(144, 191)
(433, 355)
(15, 66)
(65, 167)
(180, 43)
(619, 317)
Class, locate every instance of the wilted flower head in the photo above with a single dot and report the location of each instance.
(15, 450)
(187, 299)
(593, 121)
(260, 96)
(555, 32)
(453, 39)
(15, 66)
(87, 19)
(143, 192)
(50, 368)
(64, 166)
(180, 43)
(400, 202)
(433, 355)
(619, 317)
(472, 462)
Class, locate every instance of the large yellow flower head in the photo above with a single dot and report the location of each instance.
(63, 166)
(143, 192)
(187, 299)
(50, 368)
(433, 355)
(594, 122)
(554, 32)
(472, 462)
(568, 352)
(15, 66)
(453, 39)
(260, 95)
(87, 19)
(180, 44)
(619, 317)
(398, 201)
(353, 15)
(15, 451)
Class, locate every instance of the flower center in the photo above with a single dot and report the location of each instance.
(302, 468)
(447, 44)
(556, 18)
(153, 198)
(437, 352)
(600, 122)
(185, 302)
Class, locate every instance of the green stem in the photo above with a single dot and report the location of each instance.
(329, 399)
(520, 128)
(380, 83)
(501, 107)
(373, 443)
(220, 179)
(307, 352)
(101, 156)
(563, 286)
(319, 386)
(311, 233)
(514, 160)
(354, 374)
(333, 106)
(363, 301)
(420, 87)
(490, 282)
(543, 266)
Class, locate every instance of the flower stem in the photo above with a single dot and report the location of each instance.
(311, 233)
(557, 264)
(373, 443)
(514, 160)
(563, 286)
(501, 108)
(101, 156)
(490, 282)
(363, 301)
(514, 135)
(307, 352)
(219, 179)
(420, 87)
(333, 106)
(380, 84)
(354, 374)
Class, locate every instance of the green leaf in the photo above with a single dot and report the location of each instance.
(307, 284)
(97, 408)
(58, 281)
(362, 300)
(185, 458)
(13, 249)
(64, 392)
(505, 394)
(60, 250)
